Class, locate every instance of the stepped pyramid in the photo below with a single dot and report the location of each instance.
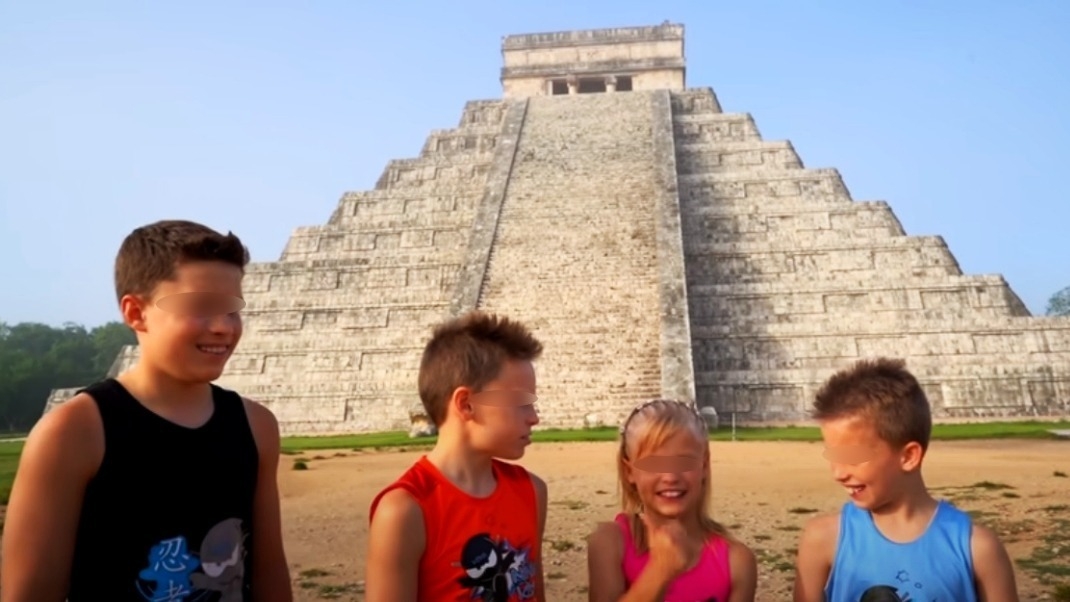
(657, 246)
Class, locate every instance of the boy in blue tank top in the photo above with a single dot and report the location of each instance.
(156, 484)
(892, 541)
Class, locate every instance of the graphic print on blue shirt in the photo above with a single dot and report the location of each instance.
(896, 593)
(170, 573)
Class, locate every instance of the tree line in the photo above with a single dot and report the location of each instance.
(36, 358)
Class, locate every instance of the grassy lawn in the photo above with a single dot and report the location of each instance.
(10, 450)
(9, 461)
(946, 432)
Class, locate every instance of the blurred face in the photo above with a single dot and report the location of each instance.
(868, 468)
(503, 412)
(669, 478)
(190, 326)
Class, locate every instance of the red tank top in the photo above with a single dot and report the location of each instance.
(477, 548)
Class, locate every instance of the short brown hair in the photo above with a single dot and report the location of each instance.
(882, 391)
(469, 351)
(150, 254)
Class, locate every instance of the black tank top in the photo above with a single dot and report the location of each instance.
(168, 515)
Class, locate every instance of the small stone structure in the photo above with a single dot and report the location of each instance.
(659, 247)
(420, 424)
(593, 61)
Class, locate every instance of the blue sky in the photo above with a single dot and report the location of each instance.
(257, 116)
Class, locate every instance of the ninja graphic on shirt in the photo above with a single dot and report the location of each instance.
(496, 571)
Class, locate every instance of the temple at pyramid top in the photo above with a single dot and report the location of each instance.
(594, 61)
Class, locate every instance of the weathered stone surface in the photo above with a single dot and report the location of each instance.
(658, 246)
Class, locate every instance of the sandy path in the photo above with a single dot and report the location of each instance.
(765, 491)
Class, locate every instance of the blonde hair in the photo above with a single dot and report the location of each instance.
(648, 426)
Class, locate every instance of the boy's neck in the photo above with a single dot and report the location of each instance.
(469, 470)
(909, 515)
(189, 404)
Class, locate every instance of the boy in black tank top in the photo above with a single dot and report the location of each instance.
(155, 485)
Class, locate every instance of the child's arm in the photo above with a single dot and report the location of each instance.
(605, 549)
(817, 546)
(271, 573)
(396, 541)
(605, 582)
(541, 497)
(61, 454)
(992, 567)
(744, 567)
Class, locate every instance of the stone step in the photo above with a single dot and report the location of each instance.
(432, 165)
(400, 222)
(749, 312)
(748, 262)
(738, 219)
(769, 371)
(347, 301)
(759, 321)
(483, 113)
(706, 158)
(445, 250)
(709, 273)
(324, 323)
(780, 302)
(701, 100)
(353, 210)
(806, 180)
(791, 232)
(803, 243)
(961, 333)
(993, 285)
(471, 141)
(447, 246)
(258, 279)
(379, 296)
(746, 215)
(443, 180)
(929, 370)
(714, 127)
(361, 233)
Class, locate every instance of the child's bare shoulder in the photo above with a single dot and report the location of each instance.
(605, 536)
(823, 524)
(398, 511)
(541, 489)
(77, 424)
(397, 500)
(821, 531)
(985, 544)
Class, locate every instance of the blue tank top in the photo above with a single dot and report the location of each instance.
(935, 567)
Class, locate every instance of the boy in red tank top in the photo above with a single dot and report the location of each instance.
(461, 524)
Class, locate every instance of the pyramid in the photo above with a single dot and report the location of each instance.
(657, 245)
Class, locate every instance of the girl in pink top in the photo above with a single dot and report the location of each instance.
(664, 545)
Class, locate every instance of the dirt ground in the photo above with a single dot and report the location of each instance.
(764, 491)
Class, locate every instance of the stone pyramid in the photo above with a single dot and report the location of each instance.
(657, 245)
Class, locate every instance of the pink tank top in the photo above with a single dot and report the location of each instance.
(709, 581)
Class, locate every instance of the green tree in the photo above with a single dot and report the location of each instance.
(1059, 303)
(36, 358)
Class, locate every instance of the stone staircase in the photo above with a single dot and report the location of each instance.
(575, 253)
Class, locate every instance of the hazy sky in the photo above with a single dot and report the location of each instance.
(257, 116)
